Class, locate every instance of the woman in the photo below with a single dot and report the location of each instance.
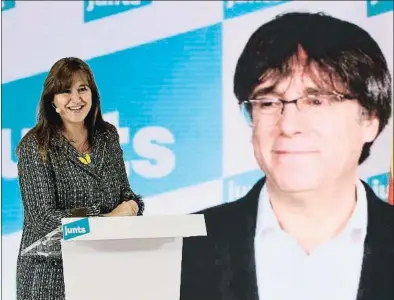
(70, 161)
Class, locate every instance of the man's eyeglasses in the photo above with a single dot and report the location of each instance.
(270, 108)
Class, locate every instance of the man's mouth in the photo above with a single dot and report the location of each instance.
(294, 152)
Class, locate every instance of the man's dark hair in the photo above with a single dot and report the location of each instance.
(339, 50)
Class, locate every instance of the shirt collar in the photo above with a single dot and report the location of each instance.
(356, 227)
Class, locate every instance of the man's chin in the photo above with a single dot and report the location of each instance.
(296, 183)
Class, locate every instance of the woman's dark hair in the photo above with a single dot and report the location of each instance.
(339, 50)
(59, 79)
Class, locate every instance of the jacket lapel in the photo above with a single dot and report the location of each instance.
(377, 275)
(242, 269)
(98, 153)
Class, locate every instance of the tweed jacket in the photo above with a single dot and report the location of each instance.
(221, 266)
(50, 190)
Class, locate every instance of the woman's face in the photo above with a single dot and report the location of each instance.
(74, 103)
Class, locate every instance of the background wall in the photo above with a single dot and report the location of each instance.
(164, 70)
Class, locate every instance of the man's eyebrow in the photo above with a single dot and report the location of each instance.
(313, 90)
(261, 91)
(264, 90)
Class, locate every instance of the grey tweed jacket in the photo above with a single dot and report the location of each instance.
(51, 190)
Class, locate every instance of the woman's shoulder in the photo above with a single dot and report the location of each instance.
(108, 130)
(28, 143)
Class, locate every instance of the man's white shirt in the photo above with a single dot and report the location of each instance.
(330, 272)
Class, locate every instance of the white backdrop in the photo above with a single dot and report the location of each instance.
(164, 70)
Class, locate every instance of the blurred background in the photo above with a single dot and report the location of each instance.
(164, 70)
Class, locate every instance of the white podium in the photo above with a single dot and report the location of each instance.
(126, 258)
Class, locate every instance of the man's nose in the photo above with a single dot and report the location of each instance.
(291, 121)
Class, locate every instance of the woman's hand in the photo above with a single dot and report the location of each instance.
(126, 208)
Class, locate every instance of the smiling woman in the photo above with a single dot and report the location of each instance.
(70, 161)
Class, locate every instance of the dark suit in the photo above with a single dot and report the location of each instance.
(221, 266)
(51, 190)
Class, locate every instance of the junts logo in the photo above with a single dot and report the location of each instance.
(94, 10)
(240, 7)
(377, 7)
(7, 4)
(380, 185)
(75, 229)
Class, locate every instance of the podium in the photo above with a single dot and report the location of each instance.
(121, 258)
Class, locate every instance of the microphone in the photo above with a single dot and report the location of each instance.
(56, 109)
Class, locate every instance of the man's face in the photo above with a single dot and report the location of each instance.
(301, 150)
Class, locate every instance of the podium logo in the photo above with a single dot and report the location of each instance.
(99, 9)
(377, 7)
(237, 8)
(7, 4)
(75, 229)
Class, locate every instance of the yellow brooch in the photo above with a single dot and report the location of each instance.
(85, 159)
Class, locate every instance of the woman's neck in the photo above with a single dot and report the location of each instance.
(77, 135)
